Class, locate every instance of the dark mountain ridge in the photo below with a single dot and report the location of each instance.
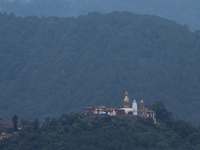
(51, 66)
(183, 12)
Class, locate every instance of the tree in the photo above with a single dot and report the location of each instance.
(47, 120)
(15, 121)
(161, 112)
(36, 125)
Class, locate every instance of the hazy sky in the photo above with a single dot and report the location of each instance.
(22, 1)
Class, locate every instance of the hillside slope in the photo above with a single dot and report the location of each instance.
(183, 12)
(51, 66)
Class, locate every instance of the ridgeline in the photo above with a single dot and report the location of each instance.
(183, 12)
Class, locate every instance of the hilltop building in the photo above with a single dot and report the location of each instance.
(5, 135)
(134, 110)
(6, 125)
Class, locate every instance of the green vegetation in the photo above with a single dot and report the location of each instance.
(162, 114)
(15, 121)
(51, 66)
(78, 132)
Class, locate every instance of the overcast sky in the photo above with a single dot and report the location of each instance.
(22, 1)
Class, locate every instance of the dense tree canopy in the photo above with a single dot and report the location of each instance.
(50, 66)
(76, 131)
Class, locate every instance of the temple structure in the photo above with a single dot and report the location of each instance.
(126, 100)
(127, 110)
(134, 108)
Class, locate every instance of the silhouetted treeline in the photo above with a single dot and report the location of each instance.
(183, 12)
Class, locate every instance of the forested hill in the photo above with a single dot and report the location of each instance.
(79, 132)
(51, 66)
(184, 11)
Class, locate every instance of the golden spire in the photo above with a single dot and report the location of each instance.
(126, 100)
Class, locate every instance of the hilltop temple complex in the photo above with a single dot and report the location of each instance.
(134, 110)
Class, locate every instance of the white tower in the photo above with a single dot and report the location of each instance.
(134, 108)
(114, 113)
